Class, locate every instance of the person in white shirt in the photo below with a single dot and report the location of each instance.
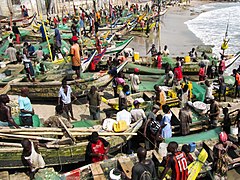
(134, 80)
(124, 115)
(137, 113)
(11, 52)
(165, 51)
(209, 89)
(64, 98)
(10, 38)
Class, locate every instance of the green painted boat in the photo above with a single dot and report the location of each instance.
(11, 157)
(151, 26)
(118, 46)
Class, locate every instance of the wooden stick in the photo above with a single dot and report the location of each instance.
(66, 129)
(10, 144)
(28, 137)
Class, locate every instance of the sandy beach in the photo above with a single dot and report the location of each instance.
(174, 33)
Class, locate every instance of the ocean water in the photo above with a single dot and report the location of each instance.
(210, 26)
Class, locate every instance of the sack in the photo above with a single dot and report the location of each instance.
(120, 126)
(154, 127)
(146, 175)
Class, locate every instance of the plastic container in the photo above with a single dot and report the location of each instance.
(163, 149)
(192, 146)
(136, 56)
(187, 59)
(234, 130)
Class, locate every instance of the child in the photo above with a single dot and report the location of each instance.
(39, 53)
(186, 150)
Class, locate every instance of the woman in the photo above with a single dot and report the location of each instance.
(166, 122)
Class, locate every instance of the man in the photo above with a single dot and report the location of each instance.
(26, 110)
(185, 117)
(201, 73)
(214, 112)
(184, 95)
(43, 33)
(153, 50)
(97, 149)
(11, 52)
(94, 101)
(28, 67)
(53, 121)
(134, 80)
(237, 83)
(160, 96)
(124, 115)
(16, 32)
(221, 158)
(178, 73)
(137, 113)
(64, 98)
(177, 162)
(165, 51)
(57, 37)
(222, 88)
(122, 99)
(75, 54)
(145, 168)
(5, 112)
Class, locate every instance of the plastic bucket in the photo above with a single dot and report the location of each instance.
(187, 59)
(233, 130)
(192, 146)
(136, 56)
(163, 149)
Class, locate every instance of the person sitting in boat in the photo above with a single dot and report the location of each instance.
(137, 113)
(53, 121)
(145, 168)
(221, 157)
(176, 161)
(161, 97)
(5, 112)
(178, 75)
(186, 150)
(64, 99)
(32, 155)
(213, 113)
(165, 51)
(151, 119)
(185, 117)
(209, 90)
(97, 149)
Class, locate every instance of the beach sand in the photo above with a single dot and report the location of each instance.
(174, 33)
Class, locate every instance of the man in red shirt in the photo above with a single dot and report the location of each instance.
(177, 162)
(178, 73)
(97, 149)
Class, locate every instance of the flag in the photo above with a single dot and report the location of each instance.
(98, 57)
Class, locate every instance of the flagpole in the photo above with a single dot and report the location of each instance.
(159, 25)
(110, 13)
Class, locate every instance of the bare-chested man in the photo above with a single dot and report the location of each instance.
(5, 112)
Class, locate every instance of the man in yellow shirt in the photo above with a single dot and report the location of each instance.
(75, 54)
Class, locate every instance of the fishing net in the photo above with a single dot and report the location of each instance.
(199, 137)
(143, 69)
(85, 123)
(36, 120)
(198, 91)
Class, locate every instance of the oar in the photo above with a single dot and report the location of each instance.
(66, 129)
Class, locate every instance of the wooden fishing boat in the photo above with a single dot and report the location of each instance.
(12, 76)
(118, 46)
(151, 26)
(49, 88)
(21, 22)
(10, 157)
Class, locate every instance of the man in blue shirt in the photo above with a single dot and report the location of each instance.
(26, 110)
(43, 33)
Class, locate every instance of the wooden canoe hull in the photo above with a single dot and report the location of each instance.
(11, 158)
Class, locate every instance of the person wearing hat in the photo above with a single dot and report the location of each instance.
(185, 117)
(221, 158)
(152, 116)
(134, 81)
(75, 54)
(145, 168)
(137, 113)
(97, 149)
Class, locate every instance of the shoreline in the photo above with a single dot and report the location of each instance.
(174, 32)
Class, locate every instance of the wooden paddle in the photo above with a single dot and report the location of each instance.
(66, 129)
